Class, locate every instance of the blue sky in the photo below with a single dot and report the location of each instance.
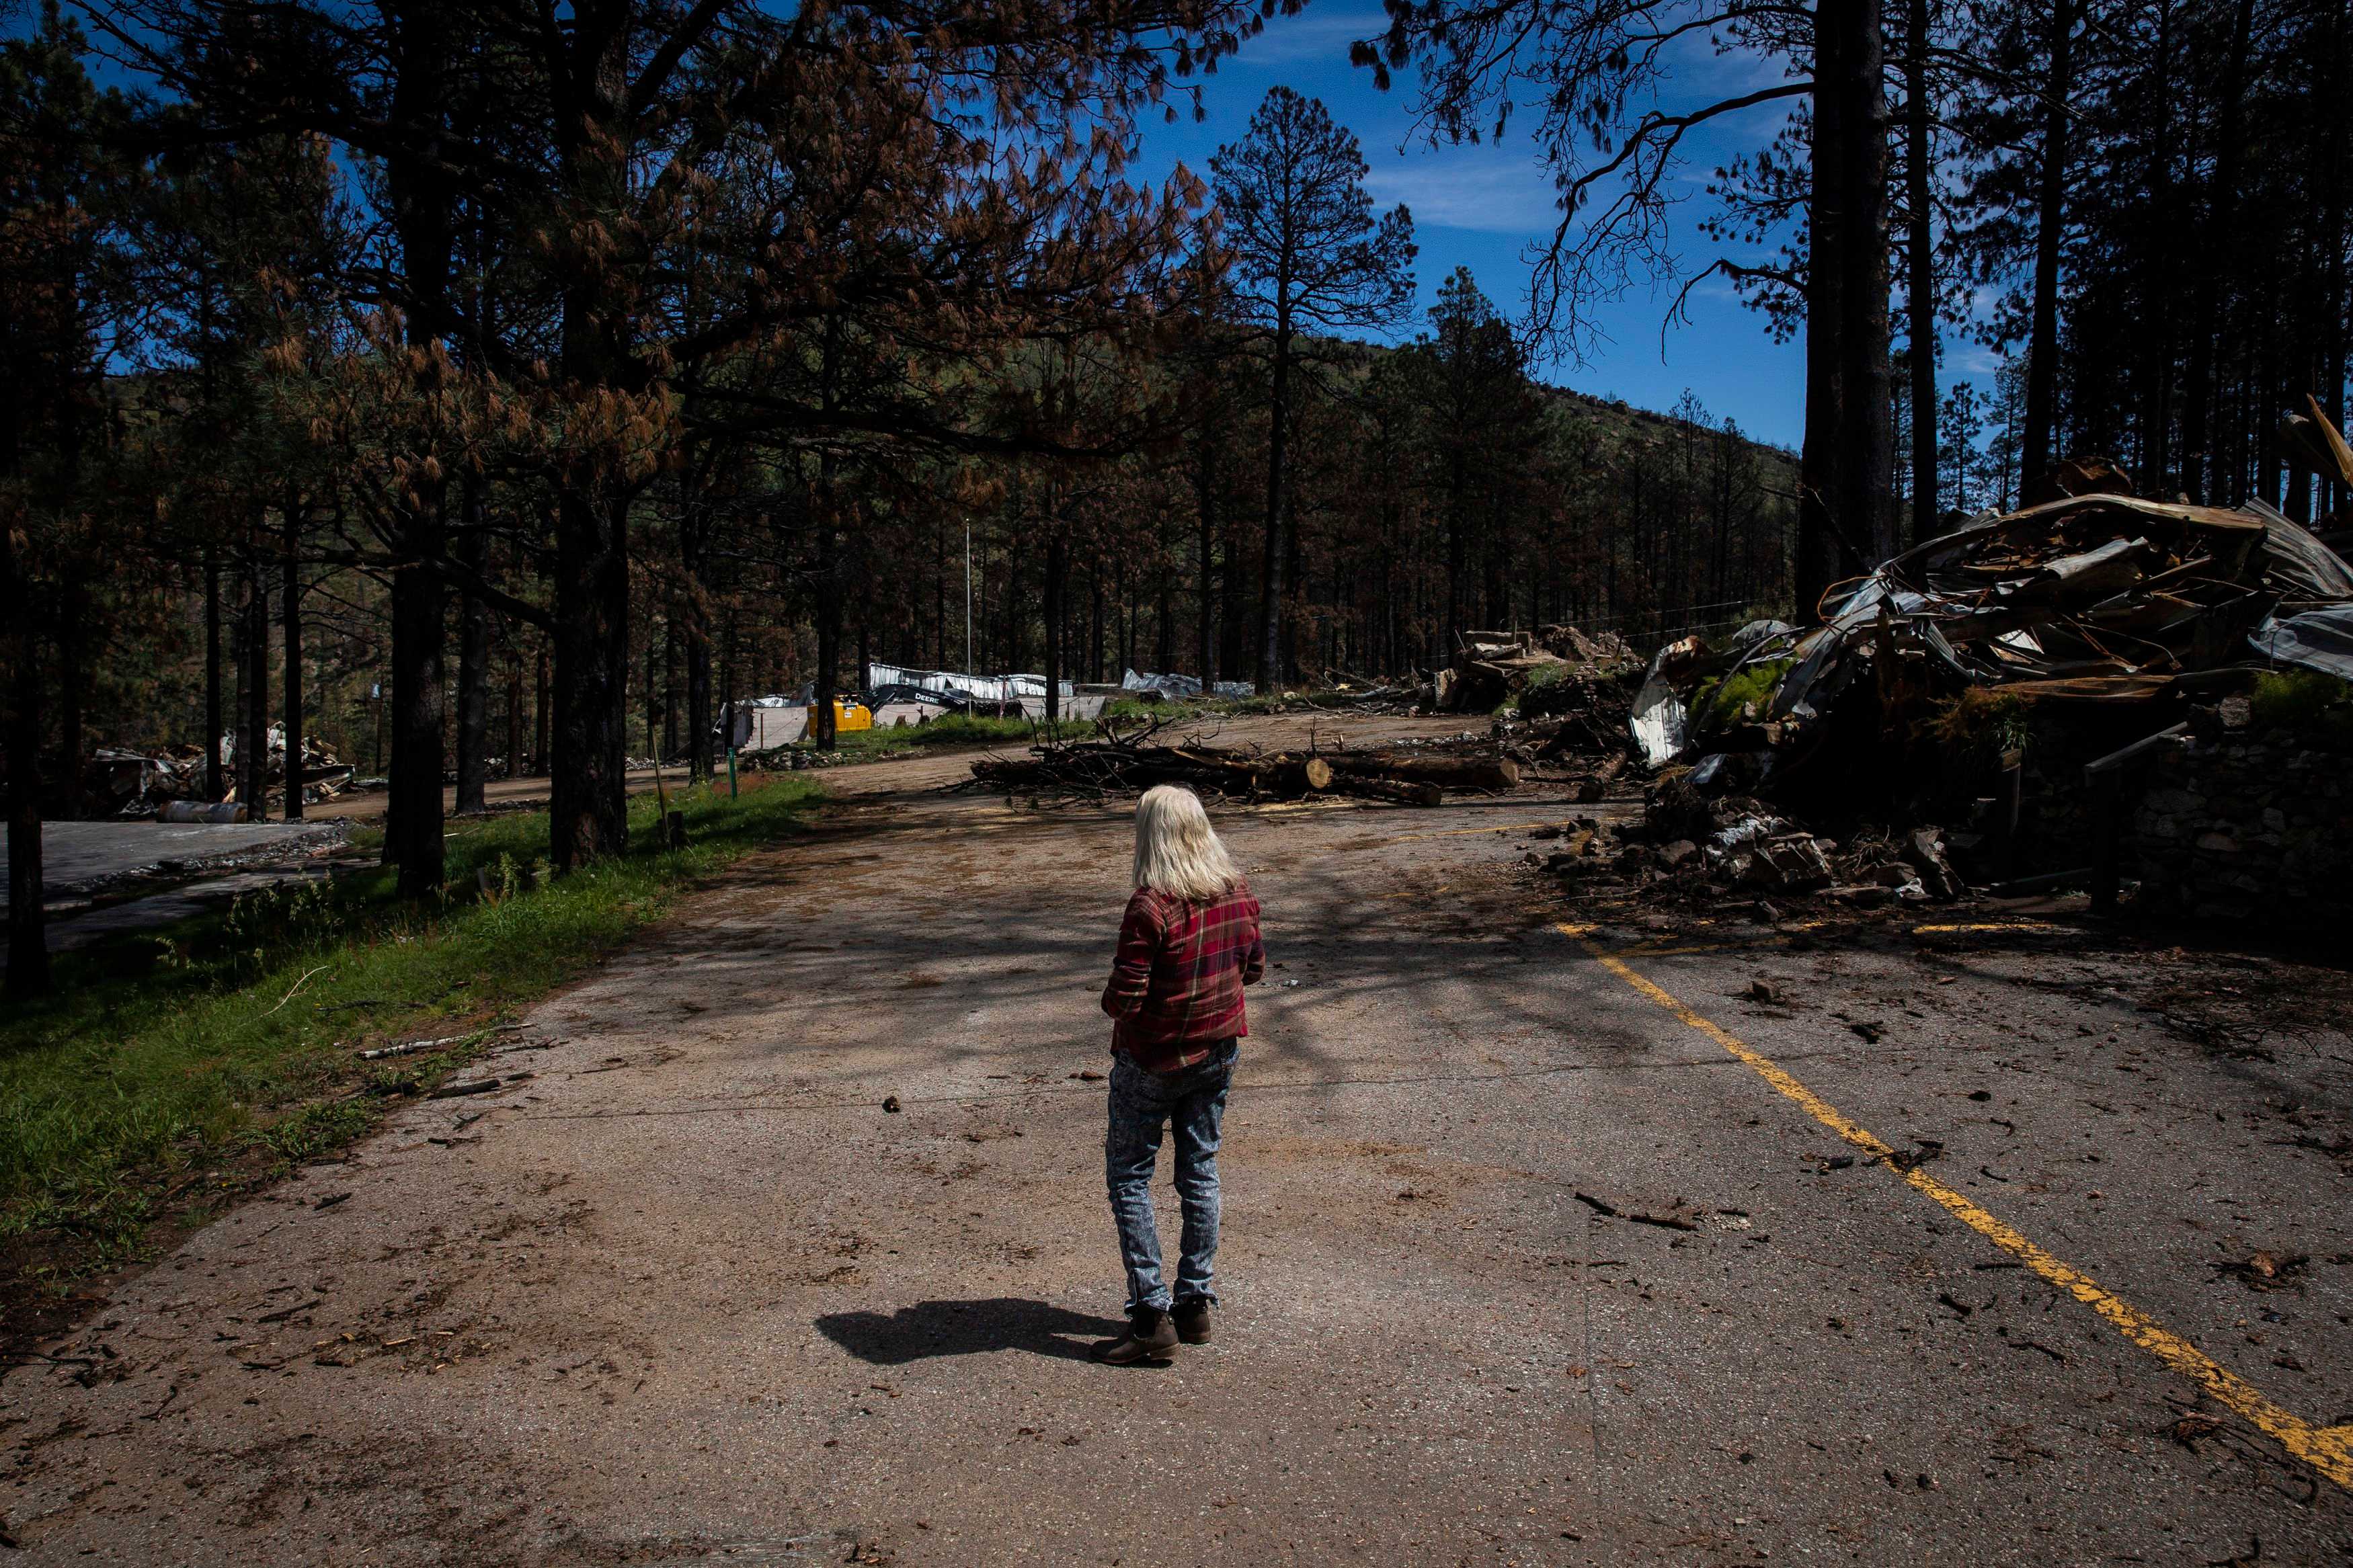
(1481, 207)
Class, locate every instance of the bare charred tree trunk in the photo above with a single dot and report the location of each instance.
(653, 703)
(695, 612)
(1205, 504)
(422, 217)
(1057, 563)
(2199, 469)
(669, 684)
(1867, 472)
(514, 715)
(1821, 558)
(73, 678)
(539, 709)
(588, 763)
(1230, 594)
(1278, 482)
(828, 563)
(215, 786)
(829, 627)
(2157, 340)
(253, 690)
(290, 614)
(28, 948)
(1920, 272)
(587, 744)
(727, 665)
(1456, 543)
(473, 664)
(415, 814)
(2043, 341)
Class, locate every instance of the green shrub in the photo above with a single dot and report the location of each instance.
(2306, 700)
(1716, 703)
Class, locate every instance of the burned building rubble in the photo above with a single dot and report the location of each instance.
(2045, 684)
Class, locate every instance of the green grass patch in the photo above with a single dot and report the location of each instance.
(1716, 704)
(183, 1065)
(2308, 701)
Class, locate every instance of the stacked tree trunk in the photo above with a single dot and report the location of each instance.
(1112, 765)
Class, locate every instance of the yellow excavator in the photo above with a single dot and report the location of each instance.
(846, 716)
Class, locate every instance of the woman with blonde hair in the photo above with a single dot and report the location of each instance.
(1187, 946)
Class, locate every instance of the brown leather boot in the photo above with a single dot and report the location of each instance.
(1150, 1337)
(1192, 1320)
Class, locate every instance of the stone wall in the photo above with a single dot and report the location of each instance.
(2246, 824)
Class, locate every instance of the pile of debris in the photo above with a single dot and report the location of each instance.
(1690, 846)
(1155, 687)
(2100, 598)
(1116, 764)
(1586, 722)
(140, 783)
(135, 783)
(1490, 668)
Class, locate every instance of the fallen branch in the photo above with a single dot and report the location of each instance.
(410, 1047)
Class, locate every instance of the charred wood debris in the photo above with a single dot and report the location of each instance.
(169, 781)
(1879, 758)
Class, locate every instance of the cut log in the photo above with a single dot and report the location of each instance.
(1456, 773)
(1200, 768)
(1364, 786)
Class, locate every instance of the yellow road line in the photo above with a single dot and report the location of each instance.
(2328, 1449)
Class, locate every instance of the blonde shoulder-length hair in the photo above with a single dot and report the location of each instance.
(1177, 851)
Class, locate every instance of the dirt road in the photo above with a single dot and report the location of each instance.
(690, 1293)
(368, 805)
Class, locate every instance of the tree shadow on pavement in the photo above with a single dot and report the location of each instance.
(966, 1328)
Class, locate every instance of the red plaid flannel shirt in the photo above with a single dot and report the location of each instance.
(1176, 981)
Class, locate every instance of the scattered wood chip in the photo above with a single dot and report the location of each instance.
(2265, 1271)
(1673, 1220)
(283, 1313)
(1913, 1159)
(2193, 1427)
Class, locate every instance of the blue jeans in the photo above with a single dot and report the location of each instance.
(1192, 1101)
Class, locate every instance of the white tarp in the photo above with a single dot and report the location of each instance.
(1179, 685)
(2318, 639)
(973, 687)
(1661, 725)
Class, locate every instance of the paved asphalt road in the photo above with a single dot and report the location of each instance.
(691, 1294)
(75, 853)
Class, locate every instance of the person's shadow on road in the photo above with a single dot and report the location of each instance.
(966, 1328)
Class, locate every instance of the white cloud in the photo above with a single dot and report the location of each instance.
(1313, 35)
(1496, 189)
(1970, 358)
